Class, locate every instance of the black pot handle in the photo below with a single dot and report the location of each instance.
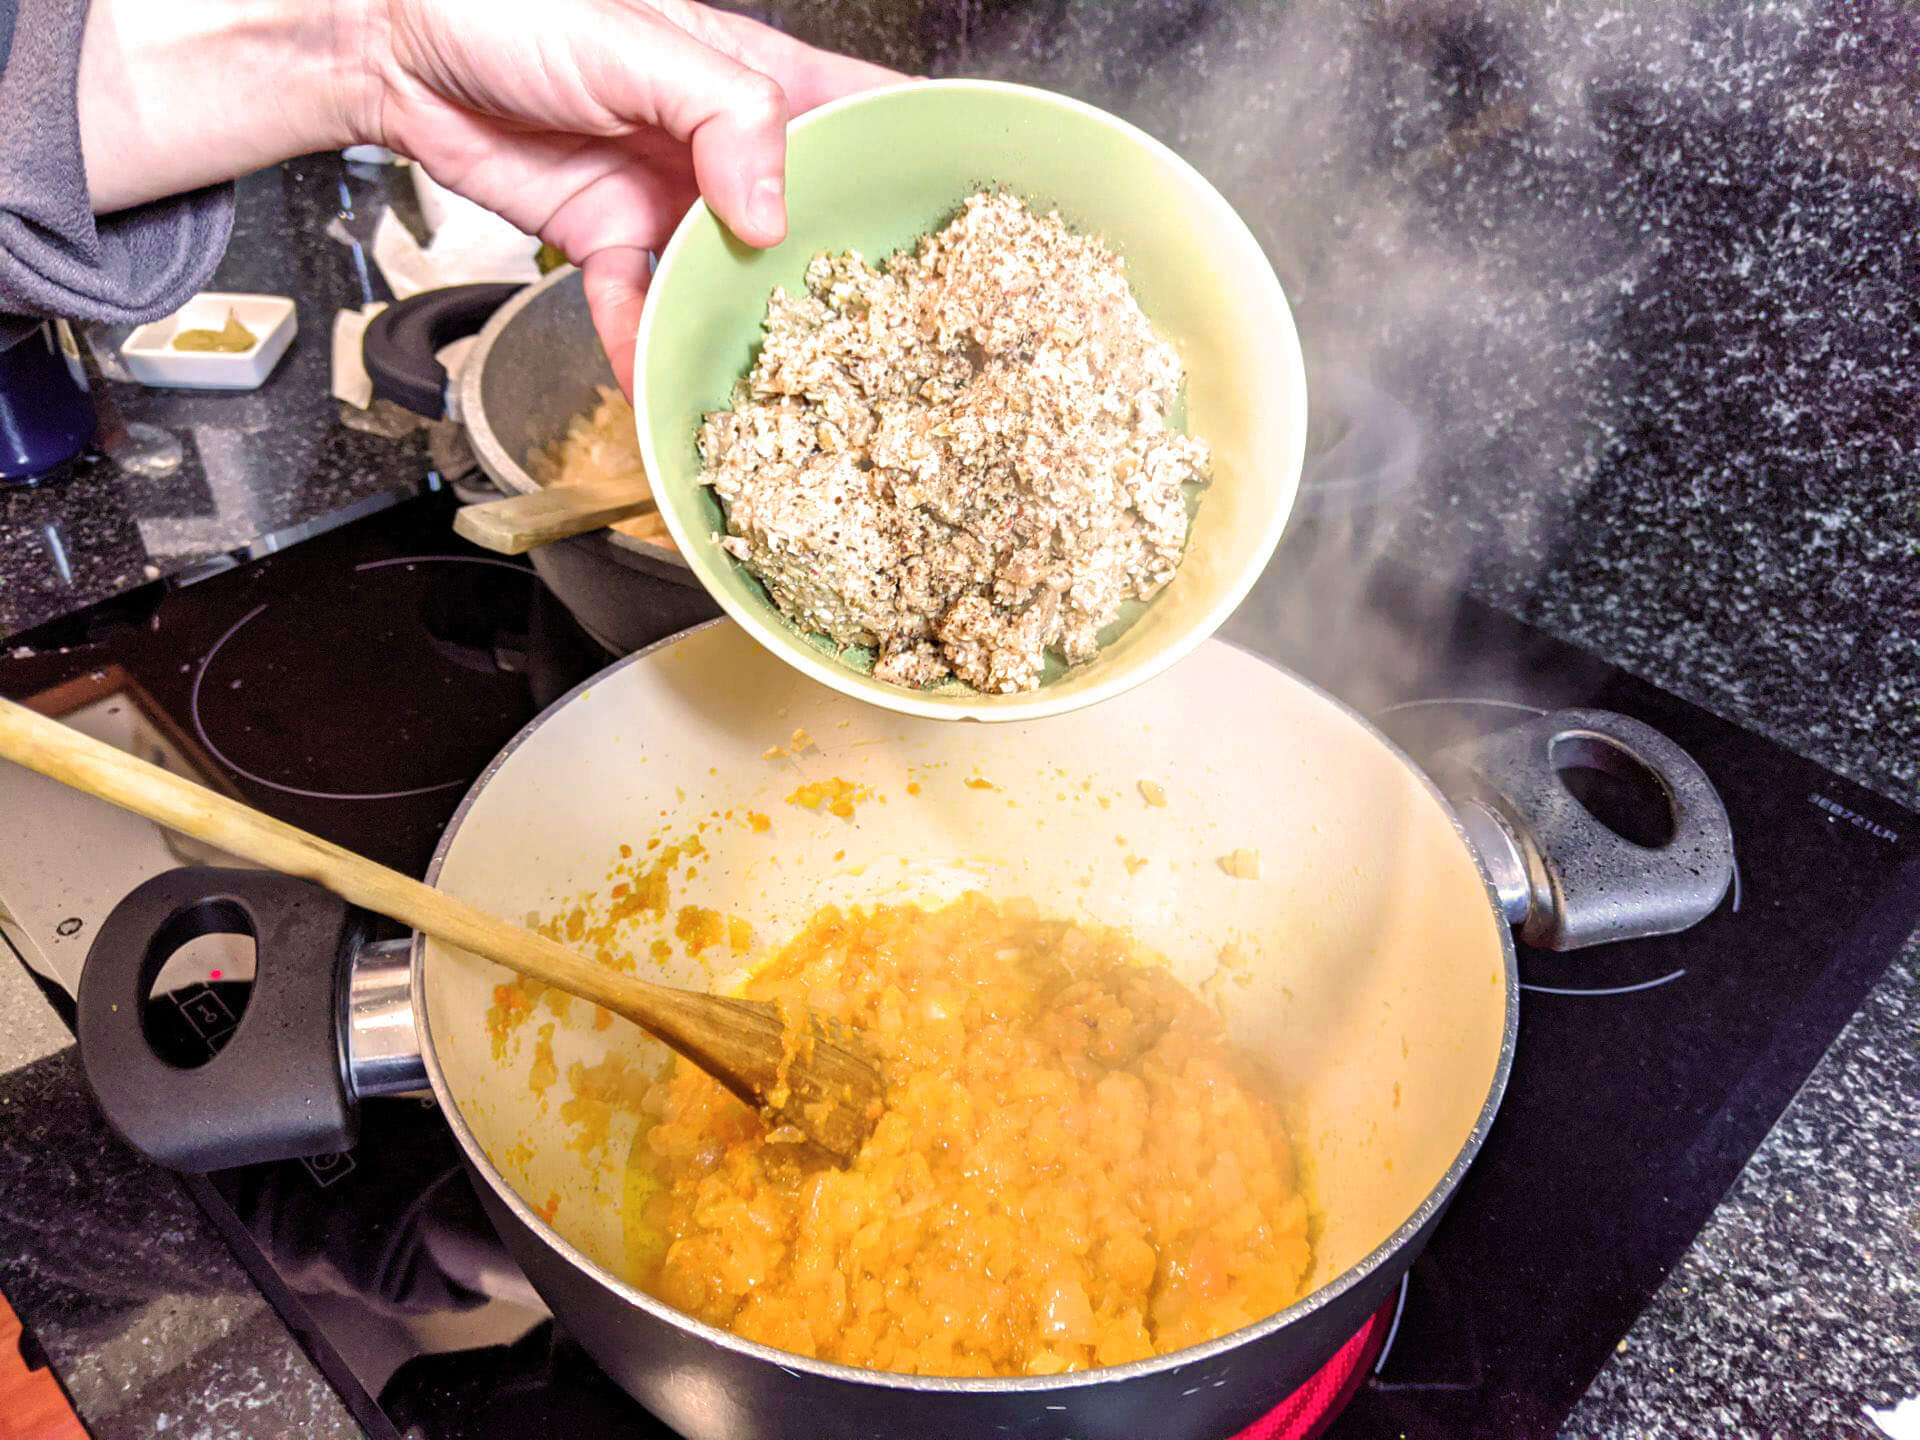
(278, 1087)
(400, 343)
(1561, 873)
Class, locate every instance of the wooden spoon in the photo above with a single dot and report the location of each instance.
(519, 523)
(795, 1068)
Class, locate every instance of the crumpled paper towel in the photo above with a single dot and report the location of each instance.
(470, 245)
(351, 382)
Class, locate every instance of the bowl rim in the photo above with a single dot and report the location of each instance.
(778, 634)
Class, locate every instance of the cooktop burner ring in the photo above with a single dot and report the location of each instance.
(1393, 1326)
(1488, 701)
(205, 665)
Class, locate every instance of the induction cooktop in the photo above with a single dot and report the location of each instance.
(356, 683)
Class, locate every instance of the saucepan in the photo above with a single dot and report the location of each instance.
(534, 366)
(1378, 913)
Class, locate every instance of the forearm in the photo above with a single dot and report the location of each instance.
(177, 94)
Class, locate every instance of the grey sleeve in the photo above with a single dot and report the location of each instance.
(56, 258)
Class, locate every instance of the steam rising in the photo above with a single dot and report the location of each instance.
(1440, 188)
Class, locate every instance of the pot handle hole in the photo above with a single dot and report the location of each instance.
(276, 1072)
(400, 345)
(1593, 826)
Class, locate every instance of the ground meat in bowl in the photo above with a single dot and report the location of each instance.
(961, 459)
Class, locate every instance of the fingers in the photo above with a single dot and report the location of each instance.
(732, 118)
(615, 280)
(810, 77)
(740, 161)
(579, 194)
(725, 86)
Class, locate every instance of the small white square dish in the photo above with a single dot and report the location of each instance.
(152, 358)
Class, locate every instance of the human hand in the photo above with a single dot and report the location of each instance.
(594, 123)
(591, 123)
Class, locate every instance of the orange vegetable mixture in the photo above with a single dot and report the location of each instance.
(1075, 1167)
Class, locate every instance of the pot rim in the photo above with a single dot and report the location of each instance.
(1377, 1258)
(503, 469)
(473, 414)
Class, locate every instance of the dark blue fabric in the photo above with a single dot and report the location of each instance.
(55, 257)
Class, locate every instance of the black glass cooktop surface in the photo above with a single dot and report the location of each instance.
(356, 684)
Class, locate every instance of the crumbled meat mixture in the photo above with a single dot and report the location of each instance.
(962, 458)
(1076, 1166)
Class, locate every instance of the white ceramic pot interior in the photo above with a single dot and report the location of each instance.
(1378, 987)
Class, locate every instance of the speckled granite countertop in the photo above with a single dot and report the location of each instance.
(128, 1290)
(1650, 278)
(246, 465)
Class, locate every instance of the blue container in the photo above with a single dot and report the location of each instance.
(46, 415)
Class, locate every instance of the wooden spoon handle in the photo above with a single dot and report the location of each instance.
(831, 1093)
(64, 754)
(521, 522)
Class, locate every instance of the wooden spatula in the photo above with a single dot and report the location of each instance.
(521, 522)
(794, 1068)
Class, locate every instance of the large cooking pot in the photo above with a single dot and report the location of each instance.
(1384, 989)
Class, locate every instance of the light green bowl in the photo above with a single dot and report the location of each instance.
(873, 173)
